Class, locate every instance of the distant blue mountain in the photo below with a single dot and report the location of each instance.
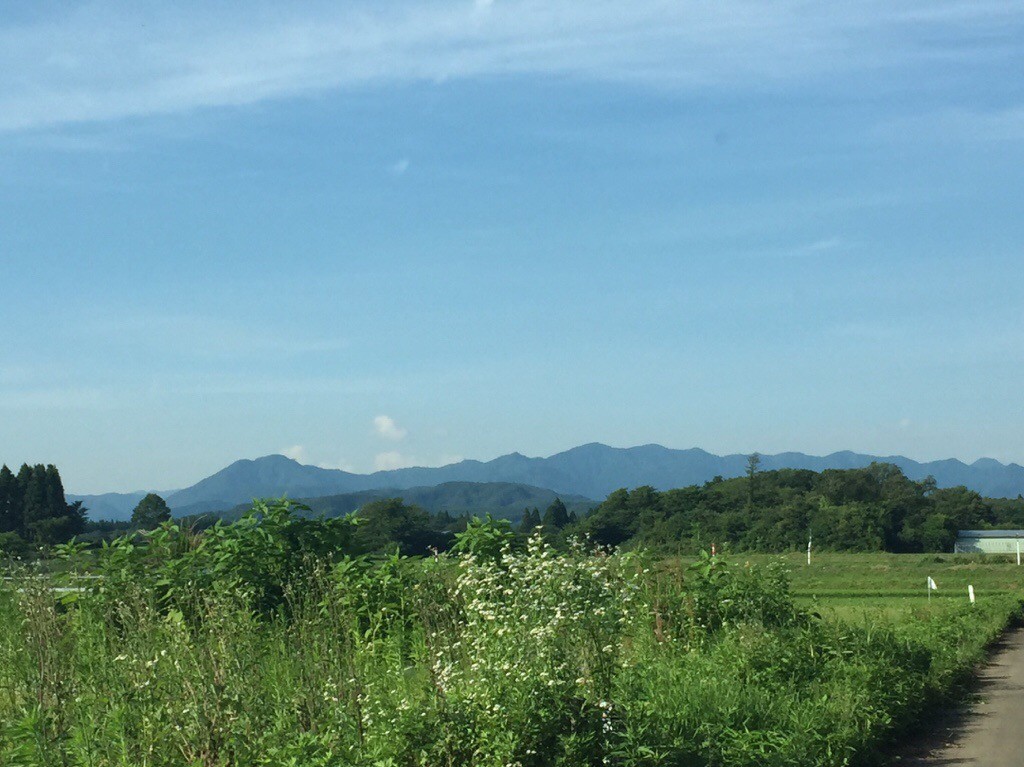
(591, 471)
(115, 506)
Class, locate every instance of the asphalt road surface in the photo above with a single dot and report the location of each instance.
(990, 731)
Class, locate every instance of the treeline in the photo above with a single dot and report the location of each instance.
(873, 509)
(33, 508)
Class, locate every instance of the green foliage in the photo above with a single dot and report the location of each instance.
(32, 506)
(10, 502)
(259, 557)
(871, 509)
(150, 512)
(530, 521)
(389, 523)
(556, 516)
(269, 642)
(13, 546)
(485, 539)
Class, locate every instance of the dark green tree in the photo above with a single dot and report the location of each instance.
(35, 508)
(389, 523)
(530, 521)
(753, 462)
(56, 503)
(150, 512)
(10, 505)
(556, 516)
(614, 521)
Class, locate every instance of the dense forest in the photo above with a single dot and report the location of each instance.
(873, 509)
(33, 508)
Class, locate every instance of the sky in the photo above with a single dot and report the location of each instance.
(378, 234)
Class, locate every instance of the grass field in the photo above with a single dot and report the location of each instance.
(527, 660)
(857, 585)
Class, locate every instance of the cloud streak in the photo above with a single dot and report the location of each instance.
(109, 61)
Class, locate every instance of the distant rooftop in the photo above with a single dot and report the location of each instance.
(990, 533)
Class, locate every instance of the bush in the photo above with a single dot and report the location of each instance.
(265, 643)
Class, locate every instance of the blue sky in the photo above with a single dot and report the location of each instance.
(380, 234)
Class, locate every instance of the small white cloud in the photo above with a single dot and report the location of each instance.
(391, 460)
(399, 168)
(386, 427)
(295, 452)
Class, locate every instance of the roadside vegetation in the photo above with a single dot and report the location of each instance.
(277, 640)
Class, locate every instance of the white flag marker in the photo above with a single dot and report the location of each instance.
(1018, 552)
(932, 586)
(970, 593)
(808, 549)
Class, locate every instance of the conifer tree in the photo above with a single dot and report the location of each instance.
(556, 517)
(35, 508)
(20, 488)
(524, 522)
(530, 522)
(10, 507)
(56, 503)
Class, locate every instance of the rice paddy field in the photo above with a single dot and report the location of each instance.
(853, 586)
(213, 654)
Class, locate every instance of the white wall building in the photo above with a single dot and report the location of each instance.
(988, 541)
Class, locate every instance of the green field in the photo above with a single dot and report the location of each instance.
(852, 585)
(240, 648)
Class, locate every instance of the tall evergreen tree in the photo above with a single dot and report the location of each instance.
(76, 517)
(530, 521)
(753, 462)
(20, 488)
(10, 507)
(56, 503)
(35, 508)
(556, 516)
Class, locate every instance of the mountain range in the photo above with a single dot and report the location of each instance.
(590, 471)
(499, 499)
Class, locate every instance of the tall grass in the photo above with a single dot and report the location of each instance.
(496, 657)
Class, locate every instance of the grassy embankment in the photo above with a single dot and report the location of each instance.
(531, 659)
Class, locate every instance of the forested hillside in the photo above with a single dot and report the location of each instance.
(872, 509)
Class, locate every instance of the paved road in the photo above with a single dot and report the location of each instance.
(989, 732)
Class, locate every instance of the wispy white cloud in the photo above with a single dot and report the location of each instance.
(112, 60)
(399, 167)
(385, 426)
(295, 452)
